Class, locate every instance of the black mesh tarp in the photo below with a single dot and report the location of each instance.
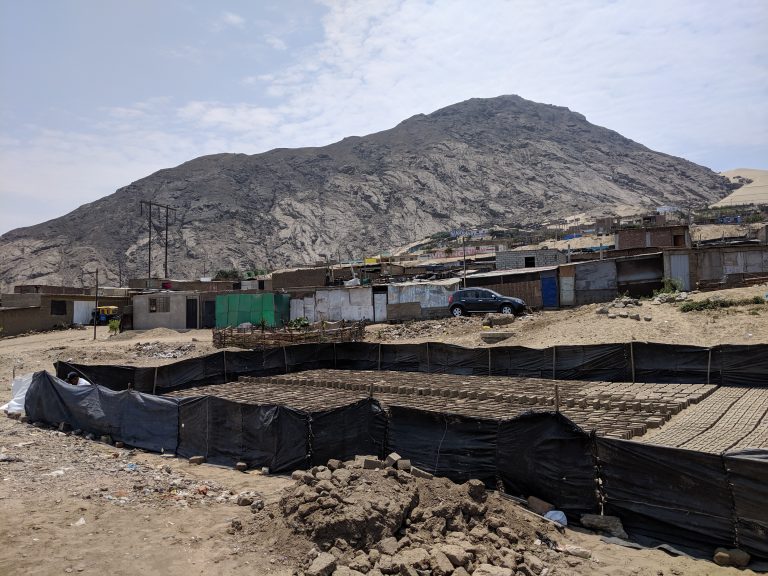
(112, 377)
(548, 456)
(458, 447)
(744, 365)
(227, 432)
(669, 363)
(345, 432)
(735, 365)
(667, 494)
(404, 357)
(309, 357)
(191, 372)
(748, 476)
(609, 362)
(521, 361)
(140, 420)
(450, 359)
(357, 356)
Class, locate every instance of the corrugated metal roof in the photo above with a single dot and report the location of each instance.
(511, 272)
(443, 282)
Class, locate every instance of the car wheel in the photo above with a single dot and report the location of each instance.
(458, 311)
(507, 309)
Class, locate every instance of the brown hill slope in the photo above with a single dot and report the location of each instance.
(476, 163)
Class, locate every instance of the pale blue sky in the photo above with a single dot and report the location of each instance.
(95, 94)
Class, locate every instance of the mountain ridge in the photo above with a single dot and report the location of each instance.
(480, 162)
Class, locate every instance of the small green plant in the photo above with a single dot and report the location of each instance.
(714, 304)
(297, 323)
(669, 286)
(114, 326)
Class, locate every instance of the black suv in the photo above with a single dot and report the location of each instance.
(468, 300)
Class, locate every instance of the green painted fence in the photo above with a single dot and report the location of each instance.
(235, 309)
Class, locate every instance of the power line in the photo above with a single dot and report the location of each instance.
(167, 209)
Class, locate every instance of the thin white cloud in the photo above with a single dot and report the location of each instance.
(275, 42)
(687, 77)
(229, 20)
(239, 118)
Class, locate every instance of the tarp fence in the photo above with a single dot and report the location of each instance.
(692, 499)
(745, 365)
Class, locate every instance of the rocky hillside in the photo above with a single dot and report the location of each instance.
(477, 163)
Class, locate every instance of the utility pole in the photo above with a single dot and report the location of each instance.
(464, 245)
(168, 209)
(96, 315)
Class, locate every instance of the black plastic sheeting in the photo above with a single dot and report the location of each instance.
(548, 456)
(743, 365)
(748, 475)
(346, 432)
(668, 494)
(280, 438)
(227, 432)
(458, 447)
(140, 420)
(730, 365)
(691, 499)
(665, 363)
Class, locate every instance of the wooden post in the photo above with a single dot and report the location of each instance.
(379, 364)
(154, 386)
(489, 362)
(285, 359)
(632, 360)
(225, 366)
(428, 367)
(554, 362)
(709, 363)
(557, 398)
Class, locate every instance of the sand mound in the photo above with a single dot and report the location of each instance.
(146, 334)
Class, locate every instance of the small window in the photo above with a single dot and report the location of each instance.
(161, 304)
(261, 284)
(530, 261)
(58, 307)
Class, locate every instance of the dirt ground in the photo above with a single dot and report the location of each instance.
(582, 325)
(70, 505)
(144, 513)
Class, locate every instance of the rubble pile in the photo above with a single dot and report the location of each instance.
(666, 297)
(623, 307)
(367, 517)
(428, 328)
(161, 350)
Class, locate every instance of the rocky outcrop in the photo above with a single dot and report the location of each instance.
(482, 162)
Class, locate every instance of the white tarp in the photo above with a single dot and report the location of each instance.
(18, 393)
(81, 313)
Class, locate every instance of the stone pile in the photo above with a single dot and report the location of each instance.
(667, 297)
(623, 307)
(374, 517)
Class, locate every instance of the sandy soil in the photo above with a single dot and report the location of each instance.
(754, 192)
(581, 325)
(70, 505)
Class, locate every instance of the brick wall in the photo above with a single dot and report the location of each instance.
(514, 259)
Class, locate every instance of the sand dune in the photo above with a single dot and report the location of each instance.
(756, 192)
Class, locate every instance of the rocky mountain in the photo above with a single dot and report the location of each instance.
(477, 163)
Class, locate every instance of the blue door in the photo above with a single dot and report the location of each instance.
(549, 291)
